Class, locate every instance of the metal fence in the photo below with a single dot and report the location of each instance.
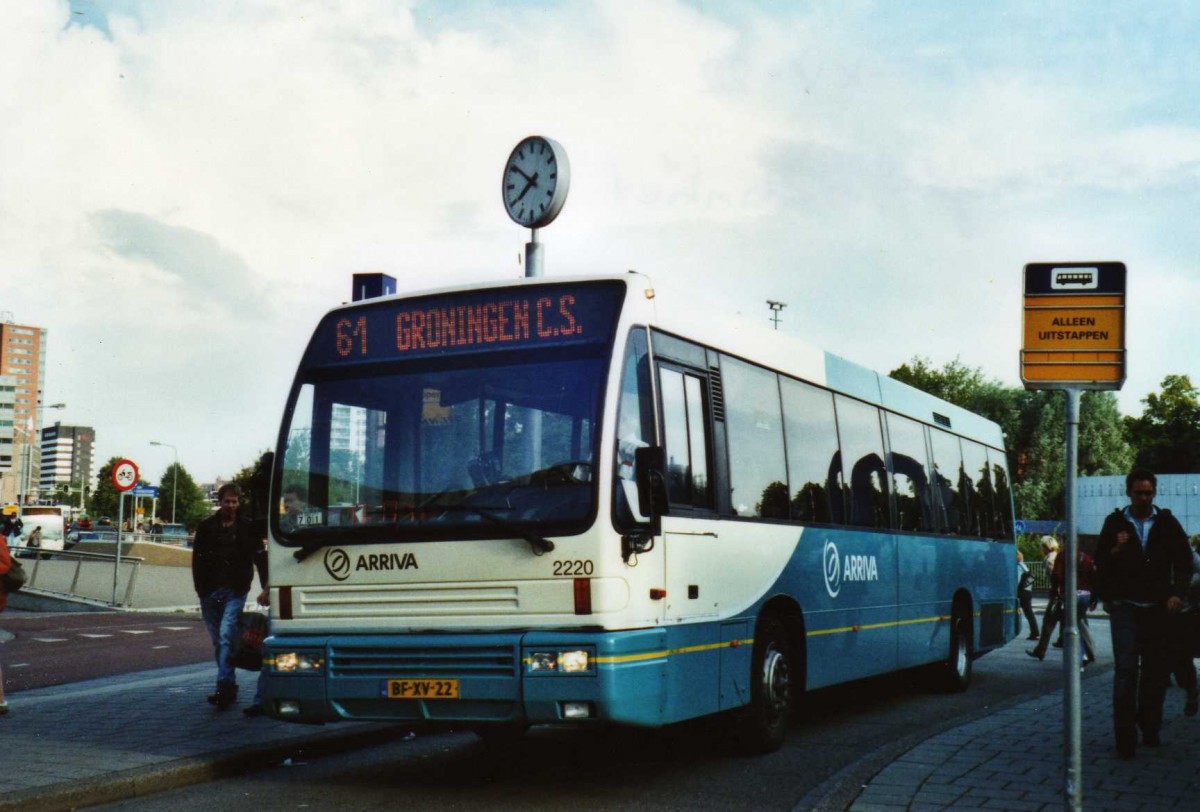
(54, 572)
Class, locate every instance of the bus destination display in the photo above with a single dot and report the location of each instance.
(503, 319)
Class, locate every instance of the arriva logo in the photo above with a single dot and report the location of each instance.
(850, 568)
(337, 564)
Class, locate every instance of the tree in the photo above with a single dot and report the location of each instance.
(180, 493)
(254, 480)
(103, 501)
(1167, 434)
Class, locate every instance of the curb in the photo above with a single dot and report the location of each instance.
(142, 781)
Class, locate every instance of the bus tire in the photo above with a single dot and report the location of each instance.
(763, 723)
(956, 671)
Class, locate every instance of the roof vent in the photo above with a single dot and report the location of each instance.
(941, 420)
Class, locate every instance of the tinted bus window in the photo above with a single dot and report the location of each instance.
(947, 479)
(685, 438)
(910, 474)
(814, 464)
(635, 425)
(757, 472)
(862, 463)
(979, 498)
(1003, 503)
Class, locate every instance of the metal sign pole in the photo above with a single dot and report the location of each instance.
(120, 532)
(1072, 661)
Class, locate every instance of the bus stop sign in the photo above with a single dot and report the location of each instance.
(1074, 325)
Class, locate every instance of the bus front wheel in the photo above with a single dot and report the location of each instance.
(764, 721)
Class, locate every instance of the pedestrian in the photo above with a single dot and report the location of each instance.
(1183, 630)
(225, 553)
(5, 565)
(11, 525)
(1054, 606)
(1143, 570)
(1085, 569)
(1025, 595)
(35, 538)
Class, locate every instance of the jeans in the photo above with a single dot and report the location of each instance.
(1025, 598)
(220, 609)
(1139, 643)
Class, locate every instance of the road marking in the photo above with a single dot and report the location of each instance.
(135, 631)
(50, 640)
(178, 628)
(94, 636)
(156, 648)
(20, 665)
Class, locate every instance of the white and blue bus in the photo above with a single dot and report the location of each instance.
(576, 501)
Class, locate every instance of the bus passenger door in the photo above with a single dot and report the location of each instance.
(692, 554)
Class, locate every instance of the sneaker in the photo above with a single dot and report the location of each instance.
(252, 710)
(1058, 644)
(1032, 637)
(1032, 652)
(3, 708)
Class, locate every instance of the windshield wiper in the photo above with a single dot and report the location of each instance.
(539, 544)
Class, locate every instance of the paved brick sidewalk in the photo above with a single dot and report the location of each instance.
(1013, 760)
(117, 737)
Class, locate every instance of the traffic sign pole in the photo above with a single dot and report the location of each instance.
(124, 479)
(1074, 340)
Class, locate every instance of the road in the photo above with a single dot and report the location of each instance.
(849, 732)
(53, 648)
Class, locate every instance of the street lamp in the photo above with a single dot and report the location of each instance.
(174, 476)
(27, 450)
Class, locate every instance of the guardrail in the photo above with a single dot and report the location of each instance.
(48, 558)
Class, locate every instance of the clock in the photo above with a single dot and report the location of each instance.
(535, 182)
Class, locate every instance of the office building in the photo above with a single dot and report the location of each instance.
(66, 459)
(23, 366)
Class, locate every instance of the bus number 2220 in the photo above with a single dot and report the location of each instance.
(573, 568)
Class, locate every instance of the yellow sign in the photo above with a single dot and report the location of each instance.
(1074, 326)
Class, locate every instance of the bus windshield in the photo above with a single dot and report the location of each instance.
(485, 444)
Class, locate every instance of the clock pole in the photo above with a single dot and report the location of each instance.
(533, 255)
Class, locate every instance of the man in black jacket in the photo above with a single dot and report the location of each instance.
(225, 553)
(1143, 567)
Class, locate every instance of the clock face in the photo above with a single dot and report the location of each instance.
(535, 183)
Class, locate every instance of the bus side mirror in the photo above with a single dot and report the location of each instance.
(650, 463)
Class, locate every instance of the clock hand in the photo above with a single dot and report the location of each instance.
(529, 184)
(517, 169)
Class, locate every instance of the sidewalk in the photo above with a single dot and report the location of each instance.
(1012, 758)
(119, 737)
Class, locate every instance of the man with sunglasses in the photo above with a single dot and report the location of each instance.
(1143, 567)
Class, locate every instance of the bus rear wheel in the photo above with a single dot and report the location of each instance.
(763, 723)
(956, 671)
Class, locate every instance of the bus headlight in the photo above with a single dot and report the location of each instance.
(566, 662)
(573, 662)
(298, 662)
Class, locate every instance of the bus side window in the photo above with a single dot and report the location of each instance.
(686, 433)
(978, 489)
(1004, 517)
(910, 477)
(757, 471)
(862, 463)
(947, 479)
(812, 449)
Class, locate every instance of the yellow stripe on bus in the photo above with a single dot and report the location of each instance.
(656, 655)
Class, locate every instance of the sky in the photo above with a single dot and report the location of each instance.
(186, 187)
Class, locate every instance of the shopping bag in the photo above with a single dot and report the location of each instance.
(252, 630)
(15, 578)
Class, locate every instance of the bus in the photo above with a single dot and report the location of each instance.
(53, 521)
(580, 502)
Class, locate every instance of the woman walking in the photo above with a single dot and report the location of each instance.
(5, 566)
(1025, 595)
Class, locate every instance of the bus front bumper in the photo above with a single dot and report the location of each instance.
(511, 679)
